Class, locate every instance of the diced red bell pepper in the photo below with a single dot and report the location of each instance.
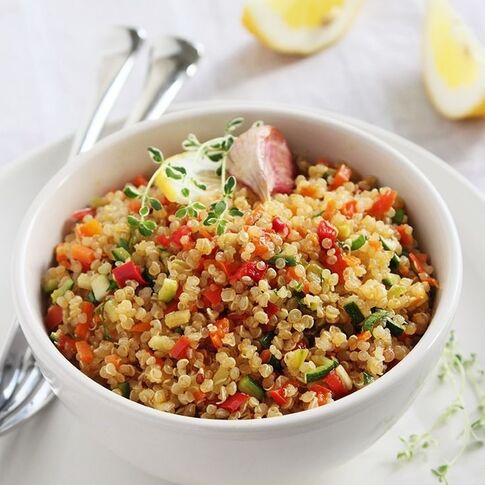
(179, 350)
(85, 352)
(88, 308)
(342, 176)
(212, 294)
(128, 271)
(382, 204)
(250, 269)
(405, 237)
(53, 317)
(325, 230)
(139, 180)
(278, 396)
(280, 226)
(418, 260)
(67, 346)
(81, 330)
(163, 240)
(81, 213)
(337, 267)
(272, 309)
(335, 384)
(179, 234)
(322, 393)
(234, 402)
(83, 254)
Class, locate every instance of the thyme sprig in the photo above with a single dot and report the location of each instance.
(458, 371)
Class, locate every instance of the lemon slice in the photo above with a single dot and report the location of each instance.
(454, 63)
(299, 26)
(187, 171)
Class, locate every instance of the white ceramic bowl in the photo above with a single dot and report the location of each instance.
(292, 449)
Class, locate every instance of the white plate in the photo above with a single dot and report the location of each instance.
(52, 449)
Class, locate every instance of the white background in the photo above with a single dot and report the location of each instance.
(48, 58)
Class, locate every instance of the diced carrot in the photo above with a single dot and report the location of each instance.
(308, 191)
(363, 336)
(261, 245)
(291, 274)
(374, 244)
(405, 235)
(199, 395)
(330, 210)
(90, 228)
(81, 330)
(83, 254)
(341, 177)
(88, 308)
(53, 317)
(383, 204)
(85, 352)
(134, 205)
(179, 350)
(141, 327)
(255, 214)
(113, 359)
(216, 340)
(61, 255)
(349, 208)
(223, 327)
(139, 180)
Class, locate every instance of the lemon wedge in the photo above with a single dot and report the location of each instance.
(187, 177)
(454, 63)
(299, 26)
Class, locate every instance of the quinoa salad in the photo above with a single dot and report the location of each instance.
(239, 280)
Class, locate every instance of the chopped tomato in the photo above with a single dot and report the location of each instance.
(134, 205)
(128, 271)
(302, 344)
(234, 402)
(405, 237)
(85, 352)
(339, 266)
(179, 350)
(113, 359)
(322, 393)
(140, 327)
(139, 180)
(265, 355)
(335, 384)
(278, 396)
(349, 208)
(212, 294)
(83, 254)
(325, 230)
(252, 270)
(80, 214)
(90, 228)
(81, 330)
(53, 317)
(341, 177)
(67, 346)
(383, 204)
(363, 336)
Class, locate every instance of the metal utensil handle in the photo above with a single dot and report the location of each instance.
(116, 66)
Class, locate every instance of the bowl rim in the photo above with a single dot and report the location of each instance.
(39, 341)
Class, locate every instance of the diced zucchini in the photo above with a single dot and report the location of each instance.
(391, 280)
(394, 327)
(372, 320)
(289, 260)
(123, 243)
(54, 336)
(121, 254)
(251, 387)
(394, 263)
(124, 387)
(100, 286)
(396, 291)
(90, 296)
(65, 286)
(321, 371)
(177, 318)
(388, 244)
(50, 285)
(368, 378)
(266, 339)
(315, 268)
(344, 377)
(168, 290)
(399, 216)
(358, 242)
(295, 358)
(354, 313)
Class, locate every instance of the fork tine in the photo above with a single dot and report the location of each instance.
(42, 396)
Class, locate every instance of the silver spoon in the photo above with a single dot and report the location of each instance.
(23, 391)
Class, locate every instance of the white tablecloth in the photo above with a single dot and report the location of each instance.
(48, 56)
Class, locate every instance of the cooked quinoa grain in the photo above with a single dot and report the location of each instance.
(303, 299)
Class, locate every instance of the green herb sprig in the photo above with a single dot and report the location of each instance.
(459, 372)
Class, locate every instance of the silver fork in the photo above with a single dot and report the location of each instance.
(23, 390)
